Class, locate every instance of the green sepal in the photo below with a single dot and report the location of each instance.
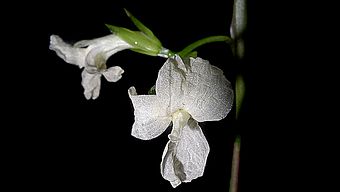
(140, 41)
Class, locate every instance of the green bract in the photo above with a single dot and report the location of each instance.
(143, 41)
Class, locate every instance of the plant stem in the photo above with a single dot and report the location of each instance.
(235, 165)
(240, 91)
(237, 31)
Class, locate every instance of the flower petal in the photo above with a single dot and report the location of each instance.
(91, 83)
(105, 46)
(108, 41)
(185, 160)
(151, 119)
(170, 84)
(113, 74)
(167, 165)
(209, 96)
(68, 53)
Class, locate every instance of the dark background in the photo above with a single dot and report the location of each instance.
(78, 144)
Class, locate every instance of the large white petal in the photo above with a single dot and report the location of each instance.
(113, 74)
(170, 84)
(209, 96)
(185, 160)
(151, 118)
(91, 84)
(67, 52)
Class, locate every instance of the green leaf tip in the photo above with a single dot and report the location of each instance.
(112, 28)
(141, 26)
(127, 12)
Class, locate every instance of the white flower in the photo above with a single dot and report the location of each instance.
(186, 93)
(92, 55)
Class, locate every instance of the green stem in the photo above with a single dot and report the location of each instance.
(187, 50)
(240, 91)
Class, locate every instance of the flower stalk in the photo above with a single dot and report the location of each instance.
(187, 50)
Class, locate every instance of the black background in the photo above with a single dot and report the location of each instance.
(69, 142)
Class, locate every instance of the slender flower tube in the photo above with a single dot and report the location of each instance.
(92, 56)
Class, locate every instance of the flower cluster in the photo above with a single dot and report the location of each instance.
(188, 90)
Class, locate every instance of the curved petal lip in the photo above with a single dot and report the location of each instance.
(185, 160)
(113, 74)
(151, 118)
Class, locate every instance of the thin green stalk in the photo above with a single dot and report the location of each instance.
(187, 50)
